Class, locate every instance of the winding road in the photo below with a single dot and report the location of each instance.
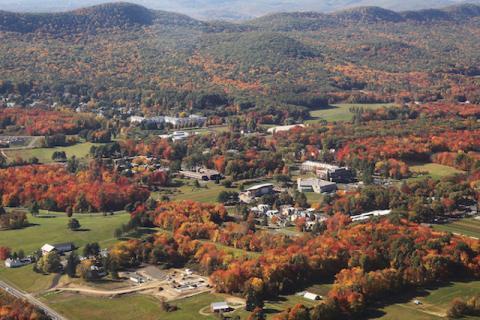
(32, 300)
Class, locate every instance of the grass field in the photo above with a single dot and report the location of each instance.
(54, 230)
(434, 170)
(130, 307)
(44, 155)
(341, 112)
(435, 303)
(468, 227)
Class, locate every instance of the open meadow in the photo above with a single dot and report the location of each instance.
(44, 155)
(341, 112)
(53, 229)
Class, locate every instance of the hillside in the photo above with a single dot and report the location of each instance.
(303, 21)
(119, 55)
(105, 16)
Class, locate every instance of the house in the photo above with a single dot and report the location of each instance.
(59, 248)
(312, 296)
(220, 307)
(15, 263)
(315, 185)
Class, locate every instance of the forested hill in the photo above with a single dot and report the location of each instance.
(112, 15)
(127, 55)
(126, 15)
(365, 15)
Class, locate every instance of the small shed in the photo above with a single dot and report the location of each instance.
(219, 307)
(312, 296)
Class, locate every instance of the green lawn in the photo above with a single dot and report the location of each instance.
(341, 112)
(44, 155)
(435, 302)
(54, 230)
(130, 307)
(434, 170)
(468, 227)
(207, 193)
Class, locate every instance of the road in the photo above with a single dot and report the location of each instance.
(32, 300)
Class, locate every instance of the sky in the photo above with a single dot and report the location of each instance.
(227, 9)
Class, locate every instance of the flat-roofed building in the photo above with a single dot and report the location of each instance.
(316, 185)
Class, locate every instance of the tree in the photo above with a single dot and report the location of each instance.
(4, 253)
(73, 164)
(35, 209)
(118, 233)
(300, 199)
(59, 156)
(91, 249)
(254, 294)
(49, 263)
(71, 267)
(73, 224)
(257, 314)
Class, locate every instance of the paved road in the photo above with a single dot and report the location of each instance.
(31, 299)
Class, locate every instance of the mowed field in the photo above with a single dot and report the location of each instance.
(434, 170)
(77, 307)
(96, 228)
(434, 303)
(469, 227)
(44, 155)
(341, 112)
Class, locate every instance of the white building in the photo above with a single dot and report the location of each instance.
(315, 185)
(60, 248)
(136, 119)
(368, 215)
(312, 296)
(15, 263)
(313, 166)
(219, 307)
(284, 128)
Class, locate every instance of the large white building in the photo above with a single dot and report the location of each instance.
(315, 185)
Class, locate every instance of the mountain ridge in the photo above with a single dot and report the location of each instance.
(127, 15)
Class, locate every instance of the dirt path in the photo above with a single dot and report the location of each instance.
(107, 293)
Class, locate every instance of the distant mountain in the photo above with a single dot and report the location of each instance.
(232, 9)
(127, 15)
(104, 16)
(302, 21)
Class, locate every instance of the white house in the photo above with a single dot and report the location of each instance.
(15, 263)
